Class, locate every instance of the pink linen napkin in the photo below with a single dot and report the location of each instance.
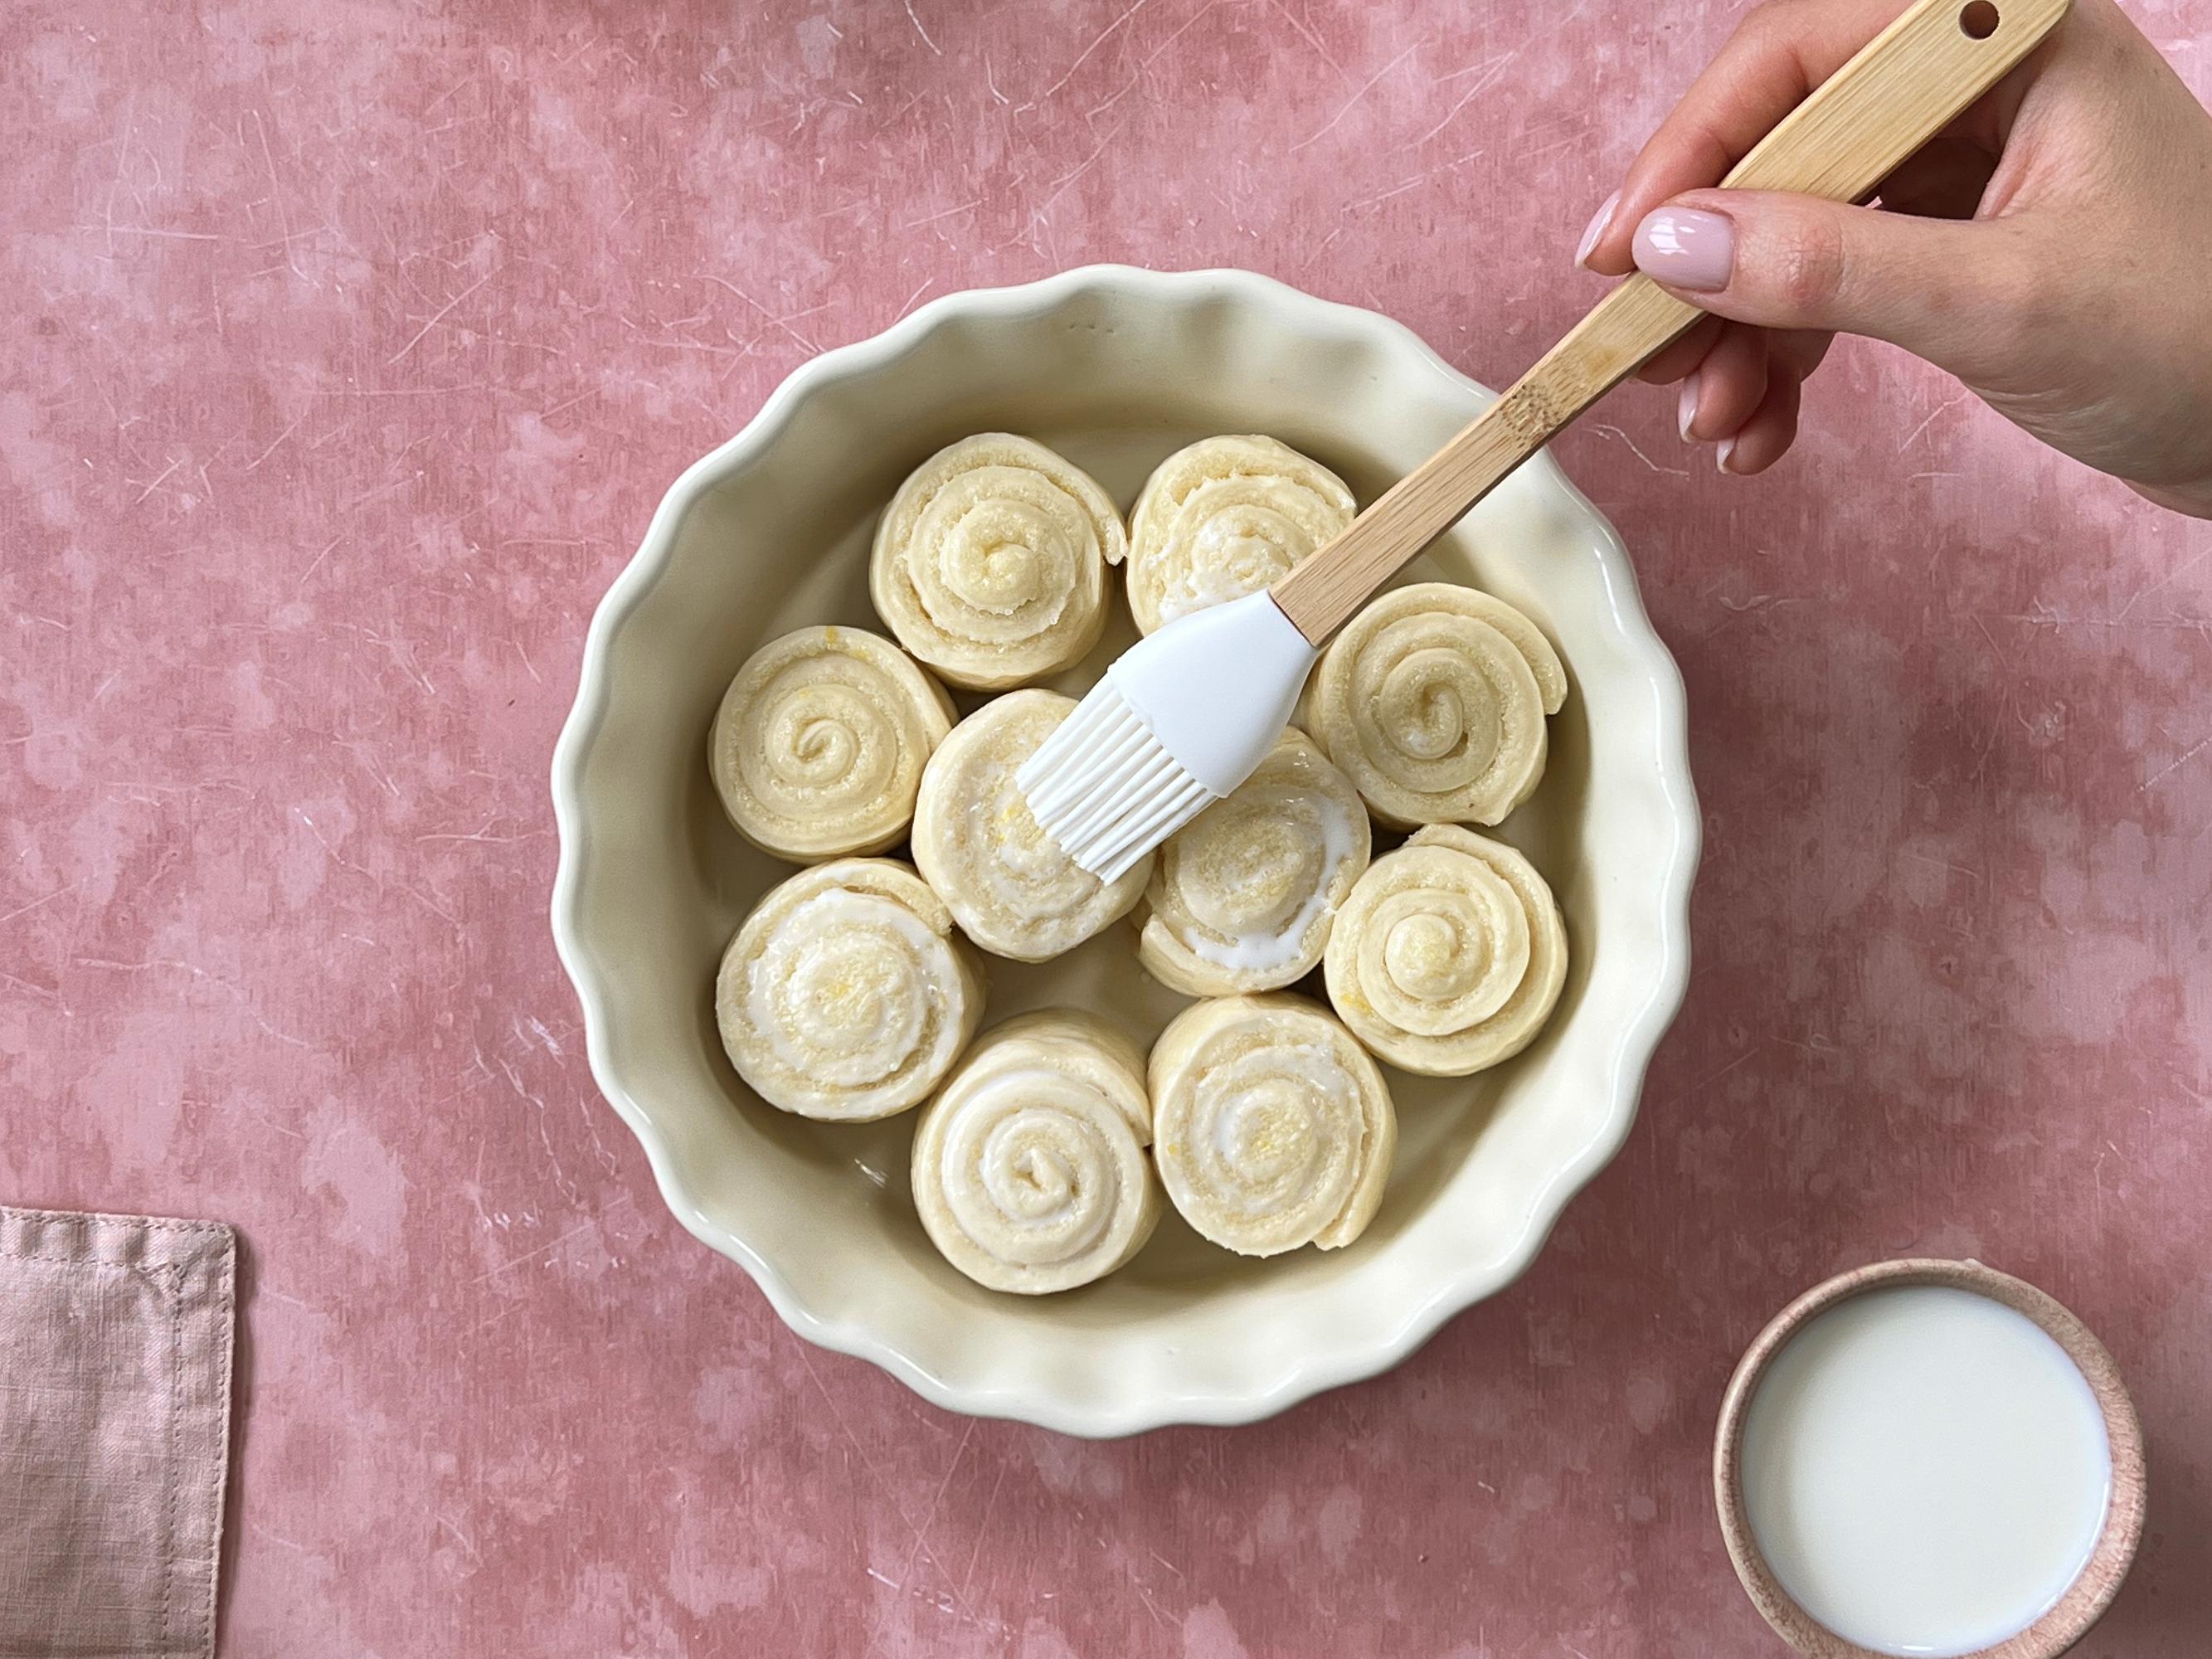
(115, 1350)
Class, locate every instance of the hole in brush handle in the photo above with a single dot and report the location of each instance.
(1978, 19)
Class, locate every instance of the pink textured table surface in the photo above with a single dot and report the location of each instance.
(344, 360)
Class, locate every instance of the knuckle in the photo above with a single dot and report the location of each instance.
(1810, 266)
(1766, 23)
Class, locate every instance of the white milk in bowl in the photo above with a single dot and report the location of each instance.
(1925, 1470)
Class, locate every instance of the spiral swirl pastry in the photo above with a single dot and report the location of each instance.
(1029, 1167)
(818, 746)
(847, 996)
(1009, 885)
(1225, 518)
(1432, 700)
(990, 563)
(1449, 954)
(1243, 896)
(1270, 1127)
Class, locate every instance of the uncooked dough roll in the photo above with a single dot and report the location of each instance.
(1225, 518)
(1271, 1126)
(1029, 1167)
(847, 996)
(990, 563)
(1432, 700)
(818, 746)
(1449, 954)
(1243, 896)
(1013, 889)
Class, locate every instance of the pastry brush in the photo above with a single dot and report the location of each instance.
(1184, 715)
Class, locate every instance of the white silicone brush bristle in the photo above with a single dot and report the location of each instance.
(1179, 722)
(1105, 788)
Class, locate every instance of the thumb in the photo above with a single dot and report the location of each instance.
(1945, 290)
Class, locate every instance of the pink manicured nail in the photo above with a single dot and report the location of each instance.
(1687, 412)
(1686, 248)
(1597, 225)
(1721, 455)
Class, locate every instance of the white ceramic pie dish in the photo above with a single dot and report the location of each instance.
(1115, 367)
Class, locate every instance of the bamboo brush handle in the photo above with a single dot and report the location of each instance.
(1855, 128)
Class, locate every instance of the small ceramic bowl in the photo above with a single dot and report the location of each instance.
(1116, 368)
(2084, 1602)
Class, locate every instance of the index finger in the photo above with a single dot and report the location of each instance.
(1779, 53)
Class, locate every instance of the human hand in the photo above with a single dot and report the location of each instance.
(2052, 247)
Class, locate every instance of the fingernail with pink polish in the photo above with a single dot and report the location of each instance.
(1597, 225)
(1686, 410)
(1686, 248)
(1721, 456)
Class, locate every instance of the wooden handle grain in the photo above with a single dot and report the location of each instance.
(1854, 130)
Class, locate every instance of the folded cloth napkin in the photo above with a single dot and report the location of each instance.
(115, 1349)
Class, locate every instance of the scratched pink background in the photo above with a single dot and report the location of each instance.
(343, 361)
